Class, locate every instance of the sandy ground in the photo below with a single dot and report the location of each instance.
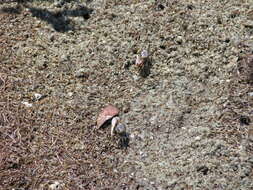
(188, 114)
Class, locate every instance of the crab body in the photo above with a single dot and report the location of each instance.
(110, 113)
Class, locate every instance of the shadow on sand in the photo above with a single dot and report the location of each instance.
(59, 20)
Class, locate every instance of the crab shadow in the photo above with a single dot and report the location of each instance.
(145, 70)
(124, 140)
(59, 20)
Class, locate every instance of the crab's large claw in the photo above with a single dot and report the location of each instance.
(115, 122)
(139, 61)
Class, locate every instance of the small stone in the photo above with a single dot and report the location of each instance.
(179, 40)
(27, 104)
(132, 175)
(132, 136)
(143, 155)
(64, 58)
(244, 120)
(250, 134)
(52, 37)
(58, 3)
(80, 73)
(115, 170)
(250, 93)
(160, 7)
(42, 64)
(38, 96)
(79, 146)
(54, 185)
(1, 82)
(70, 94)
(248, 24)
(136, 77)
(203, 169)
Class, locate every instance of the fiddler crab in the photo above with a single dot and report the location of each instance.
(142, 59)
(110, 115)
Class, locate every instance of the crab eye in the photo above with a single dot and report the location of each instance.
(144, 54)
(120, 128)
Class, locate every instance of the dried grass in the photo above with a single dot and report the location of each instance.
(54, 143)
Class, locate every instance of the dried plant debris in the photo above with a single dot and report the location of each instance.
(245, 68)
(3, 79)
(249, 144)
(186, 102)
(250, 134)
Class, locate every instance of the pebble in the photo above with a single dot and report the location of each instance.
(27, 104)
(70, 94)
(52, 37)
(250, 134)
(80, 73)
(136, 77)
(179, 39)
(248, 23)
(55, 185)
(37, 96)
(64, 58)
(143, 155)
(250, 93)
(58, 4)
